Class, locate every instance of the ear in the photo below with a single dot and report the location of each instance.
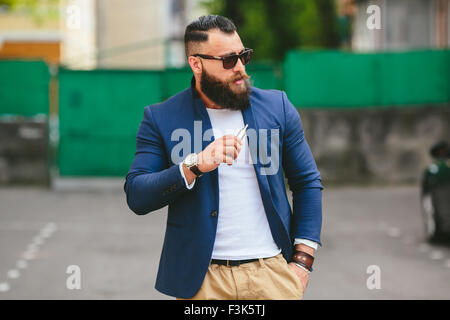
(195, 64)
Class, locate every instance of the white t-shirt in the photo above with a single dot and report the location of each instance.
(243, 231)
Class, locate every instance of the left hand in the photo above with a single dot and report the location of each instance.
(302, 274)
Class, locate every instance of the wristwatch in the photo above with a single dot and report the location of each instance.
(191, 162)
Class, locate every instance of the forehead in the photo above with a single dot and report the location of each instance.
(220, 43)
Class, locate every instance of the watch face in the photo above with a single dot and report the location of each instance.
(190, 160)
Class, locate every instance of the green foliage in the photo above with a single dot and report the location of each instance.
(8, 3)
(272, 27)
(39, 10)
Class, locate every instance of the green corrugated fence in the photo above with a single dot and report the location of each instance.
(99, 113)
(100, 110)
(24, 87)
(340, 79)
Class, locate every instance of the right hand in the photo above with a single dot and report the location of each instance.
(223, 150)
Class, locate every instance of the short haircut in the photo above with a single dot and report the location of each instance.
(196, 31)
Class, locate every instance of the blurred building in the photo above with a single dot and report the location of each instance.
(86, 34)
(31, 45)
(405, 24)
(24, 36)
(138, 34)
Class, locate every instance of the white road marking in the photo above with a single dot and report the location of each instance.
(13, 274)
(48, 230)
(46, 234)
(29, 254)
(21, 264)
(436, 255)
(38, 240)
(4, 286)
(423, 247)
(32, 247)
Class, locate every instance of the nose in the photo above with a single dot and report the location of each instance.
(239, 67)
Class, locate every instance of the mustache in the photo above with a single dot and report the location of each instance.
(241, 77)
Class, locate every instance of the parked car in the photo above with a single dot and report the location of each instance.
(435, 194)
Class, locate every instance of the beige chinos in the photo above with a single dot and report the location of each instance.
(265, 279)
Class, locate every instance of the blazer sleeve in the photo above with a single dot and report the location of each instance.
(303, 177)
(151, 183)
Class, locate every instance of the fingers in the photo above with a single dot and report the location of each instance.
(231, 140)
(227, 154)
(228, 160)
(231, 146)
(223, 150)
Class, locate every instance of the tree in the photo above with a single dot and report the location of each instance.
(272, 27)
(39, 10)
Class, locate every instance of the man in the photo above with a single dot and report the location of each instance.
(230, 228)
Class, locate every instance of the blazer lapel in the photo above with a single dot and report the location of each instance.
(254, 146)
(203, 121)
(273, 217)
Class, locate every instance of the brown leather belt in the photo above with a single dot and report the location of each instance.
(232, 263)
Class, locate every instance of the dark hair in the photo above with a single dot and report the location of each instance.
(440, 149)
(196, 31)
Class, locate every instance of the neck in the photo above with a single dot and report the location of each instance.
(208, 102)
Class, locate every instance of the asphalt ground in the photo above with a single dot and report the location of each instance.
(373, 246)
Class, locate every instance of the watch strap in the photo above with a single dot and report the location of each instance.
(196, 170)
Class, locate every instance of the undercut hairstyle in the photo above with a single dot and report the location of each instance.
(197, 31)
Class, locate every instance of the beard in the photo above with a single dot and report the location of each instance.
(223, 95)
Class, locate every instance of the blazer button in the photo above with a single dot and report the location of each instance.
(214, 213)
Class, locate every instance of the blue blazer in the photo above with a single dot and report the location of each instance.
(154, 181)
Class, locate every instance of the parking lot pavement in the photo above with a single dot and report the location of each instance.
(372, 238)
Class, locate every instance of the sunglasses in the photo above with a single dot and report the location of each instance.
(230, 61)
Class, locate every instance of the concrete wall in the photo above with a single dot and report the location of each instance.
(351, 146)
(23, 152)
(372, 146)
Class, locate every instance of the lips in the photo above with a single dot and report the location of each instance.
(240, 81)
